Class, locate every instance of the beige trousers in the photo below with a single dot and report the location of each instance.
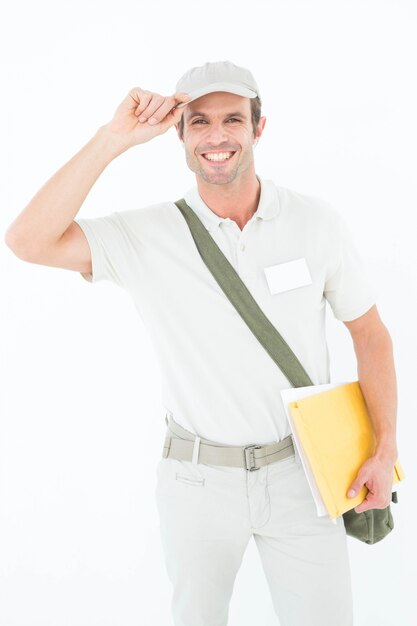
(208, 513)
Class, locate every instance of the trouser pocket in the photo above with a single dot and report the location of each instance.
(189, 480)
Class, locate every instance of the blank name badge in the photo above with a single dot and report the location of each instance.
(286, 276)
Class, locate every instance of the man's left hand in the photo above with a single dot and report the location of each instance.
(377, 474)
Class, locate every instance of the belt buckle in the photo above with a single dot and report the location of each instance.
(250, 463)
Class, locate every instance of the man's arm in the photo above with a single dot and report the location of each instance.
(45, 232)
(377, 378)
(376, 374)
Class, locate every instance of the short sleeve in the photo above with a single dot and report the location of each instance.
(108, 246)
(348, 288)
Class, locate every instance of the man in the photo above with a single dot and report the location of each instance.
(220, 387)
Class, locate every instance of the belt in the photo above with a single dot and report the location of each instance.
(182, 444)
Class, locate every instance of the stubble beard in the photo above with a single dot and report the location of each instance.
(213, 178)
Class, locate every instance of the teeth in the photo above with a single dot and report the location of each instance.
(218, 156)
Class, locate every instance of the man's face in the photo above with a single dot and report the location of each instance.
(216, 124)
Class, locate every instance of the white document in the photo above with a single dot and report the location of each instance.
(286, 276)
(292, 395)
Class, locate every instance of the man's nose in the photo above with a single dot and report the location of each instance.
(217, 134)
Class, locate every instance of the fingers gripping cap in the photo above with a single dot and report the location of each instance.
(218, 76)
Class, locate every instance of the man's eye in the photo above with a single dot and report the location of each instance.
(230, 119)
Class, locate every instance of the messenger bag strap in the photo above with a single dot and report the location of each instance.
(241, 298)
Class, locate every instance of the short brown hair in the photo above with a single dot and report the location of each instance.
(255, 107)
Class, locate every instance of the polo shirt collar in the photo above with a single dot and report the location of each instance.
(268, 206)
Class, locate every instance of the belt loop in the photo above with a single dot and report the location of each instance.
(167, 446)
(196, 449)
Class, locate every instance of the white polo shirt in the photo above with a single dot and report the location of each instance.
(217, 379)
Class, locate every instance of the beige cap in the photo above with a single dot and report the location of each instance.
(217, 76)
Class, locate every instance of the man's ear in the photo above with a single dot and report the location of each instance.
(177, 128)
(261, 126)
(259, 130)
(178, 135)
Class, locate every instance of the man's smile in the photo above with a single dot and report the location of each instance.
(218, 158)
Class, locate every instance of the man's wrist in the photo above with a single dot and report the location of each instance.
(112, 142)
(387, 451)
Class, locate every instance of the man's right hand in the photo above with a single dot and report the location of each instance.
(45, 232)
(126, 125)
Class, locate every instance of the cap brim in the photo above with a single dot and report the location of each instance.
(230, 88)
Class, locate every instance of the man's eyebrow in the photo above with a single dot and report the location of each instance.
(236, 114)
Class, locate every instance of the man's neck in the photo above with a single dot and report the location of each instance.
(237, 201)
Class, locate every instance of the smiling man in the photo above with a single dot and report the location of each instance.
(218, 133)
(221, 390)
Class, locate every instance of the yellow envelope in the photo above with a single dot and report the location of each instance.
(336, 433)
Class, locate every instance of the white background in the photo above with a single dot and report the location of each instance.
(82, 424)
